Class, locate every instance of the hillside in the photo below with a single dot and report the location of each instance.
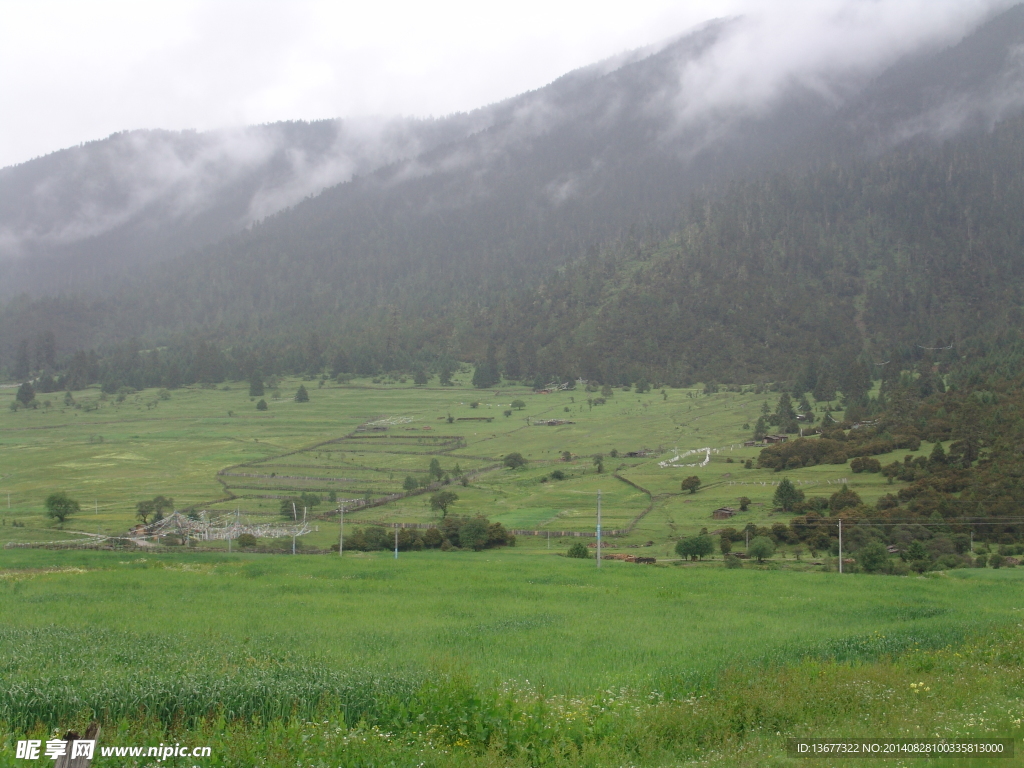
(588, 230)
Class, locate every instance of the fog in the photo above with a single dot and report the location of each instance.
(76, 72)
(206, 65)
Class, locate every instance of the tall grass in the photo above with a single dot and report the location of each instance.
(282, 637)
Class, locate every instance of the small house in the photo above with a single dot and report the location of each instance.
(723, 513)
(772, 439)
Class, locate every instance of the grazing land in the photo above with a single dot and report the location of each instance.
(212, 449)
(511, 656)
(445, 659)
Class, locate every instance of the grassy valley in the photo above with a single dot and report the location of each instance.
(508, 656)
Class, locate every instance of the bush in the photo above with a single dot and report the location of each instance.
(60, 506)
(761, 548)
(731, 561)
(872, 557)
(473, 533)
(246, 540)
(558, 475)
(578, 550)
(865, 464)
(514, 461)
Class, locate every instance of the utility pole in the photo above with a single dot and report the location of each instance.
(396, 543)
(972, 542)
(598, 529)
(341, 529)
(840, 545)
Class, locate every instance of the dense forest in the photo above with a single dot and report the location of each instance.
(912, 255)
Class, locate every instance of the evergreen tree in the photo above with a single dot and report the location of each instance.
(513, 368)
(26, 394)
(435, 469)
(22, 363)
(46, 351)
(784, 410)
(787, 495)
(301, 395)
(760, 428)
(256, 385)
(487, 375)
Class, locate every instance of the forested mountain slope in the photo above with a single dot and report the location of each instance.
(878, 260)
(77, 219)
(588, 230)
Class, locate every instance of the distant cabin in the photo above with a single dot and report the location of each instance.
(775, 438)
(723, 513)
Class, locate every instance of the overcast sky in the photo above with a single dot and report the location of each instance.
(72, 71)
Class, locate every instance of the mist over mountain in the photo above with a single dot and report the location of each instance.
(70, 220)
(439, 224)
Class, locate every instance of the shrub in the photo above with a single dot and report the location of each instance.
(578, 550)
(865, 464)
(514, 461)
(246, 540)
(872, 557)
(558, 475)
(261, 405)
(731, 561)
(442, 500)
(473, 533)
(695, 548)
(60, 506)
(761, 548)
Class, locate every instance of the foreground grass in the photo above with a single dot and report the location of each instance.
(497, 658)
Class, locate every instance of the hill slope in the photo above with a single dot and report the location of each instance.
(454, 249)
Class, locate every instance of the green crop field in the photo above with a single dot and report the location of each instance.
(513, 656)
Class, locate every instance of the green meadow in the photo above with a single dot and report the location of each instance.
(497, 658)
(212, 449)
(510, 657)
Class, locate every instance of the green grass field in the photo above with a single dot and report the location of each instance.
(458, 652)
(512, 657)
(120, 453)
